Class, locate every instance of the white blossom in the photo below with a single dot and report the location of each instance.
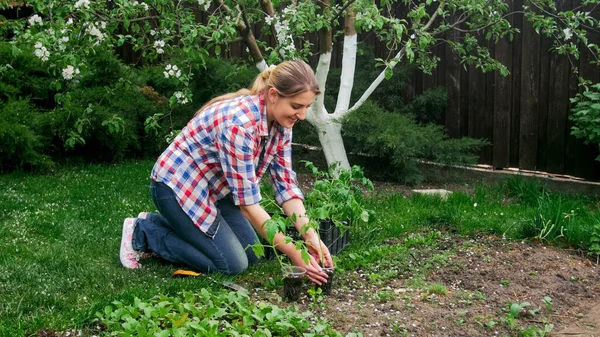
(94, 31)
(159, 43)
(152, 32)
(204, 3)
(181, 98)
(35, 19)
(82, 3)
(65, 39)
(160, 51)
(171, 71)
(41, 52)
(69, 72)
(568, 33)
(269, 20)
(70, 21)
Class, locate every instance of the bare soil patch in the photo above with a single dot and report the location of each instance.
(481, 276)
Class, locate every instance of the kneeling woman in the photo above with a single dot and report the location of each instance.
(206, 183)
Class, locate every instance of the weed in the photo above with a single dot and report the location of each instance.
(385, 295)
(505, 283)
(437, 288)
(533, 331)
(594, 249)
(316, 296)
(548, 303)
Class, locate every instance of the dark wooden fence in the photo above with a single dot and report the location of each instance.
(523, 115)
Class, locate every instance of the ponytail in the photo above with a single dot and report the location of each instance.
(289, 78)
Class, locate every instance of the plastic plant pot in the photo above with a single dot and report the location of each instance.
(293, 278)
(326, 287)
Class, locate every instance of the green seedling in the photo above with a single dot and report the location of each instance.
(548, 303)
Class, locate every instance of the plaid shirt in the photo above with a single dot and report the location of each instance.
(225, 150)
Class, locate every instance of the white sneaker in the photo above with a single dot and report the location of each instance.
(129, 257)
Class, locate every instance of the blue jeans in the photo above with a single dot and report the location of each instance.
(173, 236)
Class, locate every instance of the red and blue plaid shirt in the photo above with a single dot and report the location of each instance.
(223, 150)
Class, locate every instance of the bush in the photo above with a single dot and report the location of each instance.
(25, 76)
(586, 116)
(105, 125)
(396, 142)
(22, 146)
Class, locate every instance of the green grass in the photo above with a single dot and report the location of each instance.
(60, 235)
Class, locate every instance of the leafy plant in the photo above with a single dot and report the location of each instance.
(208, 314)
(586, 115)
(594, 249)
(516, 309)
(279, 224)
(337, 195)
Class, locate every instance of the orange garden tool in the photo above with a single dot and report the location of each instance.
(188, 273)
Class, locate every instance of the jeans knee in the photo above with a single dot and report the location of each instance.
(237, 266)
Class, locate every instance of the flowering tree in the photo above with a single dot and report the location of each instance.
(62, 34)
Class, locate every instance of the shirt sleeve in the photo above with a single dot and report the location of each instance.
(235, 147)
(282, 175)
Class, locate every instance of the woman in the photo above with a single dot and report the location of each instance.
(206, 183)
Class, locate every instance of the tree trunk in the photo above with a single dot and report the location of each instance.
(330, 136)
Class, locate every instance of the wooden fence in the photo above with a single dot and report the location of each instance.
(523, 115)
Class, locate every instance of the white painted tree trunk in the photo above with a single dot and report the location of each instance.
(330, 135)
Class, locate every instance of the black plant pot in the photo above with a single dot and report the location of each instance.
(326, 287)
(293, 278)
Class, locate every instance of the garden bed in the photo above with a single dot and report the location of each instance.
(458, 286)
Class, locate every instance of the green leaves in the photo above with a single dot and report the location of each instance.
(208, 314)
(337, 194)
(586, 114)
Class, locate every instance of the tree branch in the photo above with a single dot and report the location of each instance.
(392, 64)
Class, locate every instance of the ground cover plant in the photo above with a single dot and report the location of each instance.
(507, 259)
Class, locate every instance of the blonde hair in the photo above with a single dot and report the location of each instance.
(289, 78)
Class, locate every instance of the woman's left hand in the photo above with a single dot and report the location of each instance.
(318, 250)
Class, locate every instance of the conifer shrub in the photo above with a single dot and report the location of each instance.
(22, 143)
(395, 143)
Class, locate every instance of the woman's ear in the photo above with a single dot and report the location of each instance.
(272, 95)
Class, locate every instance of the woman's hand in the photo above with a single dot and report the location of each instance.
(313, 271)
(318, 250)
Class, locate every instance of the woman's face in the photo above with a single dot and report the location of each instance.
(287, 110)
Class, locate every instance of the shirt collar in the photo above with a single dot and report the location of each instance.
(264, 124)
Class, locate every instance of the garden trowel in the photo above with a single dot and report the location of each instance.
(188, 273)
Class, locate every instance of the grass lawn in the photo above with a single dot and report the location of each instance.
(60, 235)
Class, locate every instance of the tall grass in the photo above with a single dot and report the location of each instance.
(60, 235)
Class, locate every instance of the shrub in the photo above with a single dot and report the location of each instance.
(22, 146)
(399, 141)
(23, 75)
(105, 125)
(586, 116)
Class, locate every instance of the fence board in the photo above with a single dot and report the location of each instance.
(543, 96)
(502, 107)
(529, 98)
(453, 69)
(516, 86)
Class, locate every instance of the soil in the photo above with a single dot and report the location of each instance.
(483, 276)
(478, 282)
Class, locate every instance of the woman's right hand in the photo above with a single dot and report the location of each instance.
(313, 271)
